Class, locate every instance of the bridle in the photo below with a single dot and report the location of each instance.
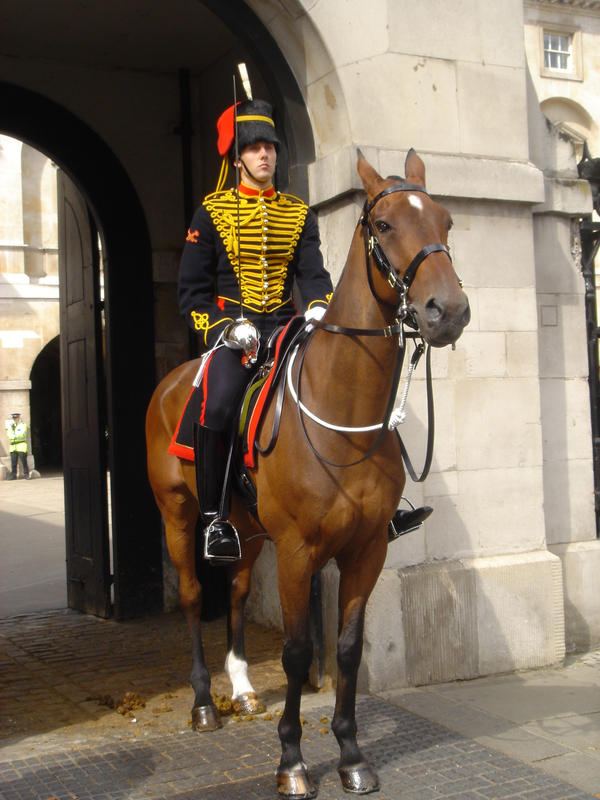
(401, 285)
(373, 248)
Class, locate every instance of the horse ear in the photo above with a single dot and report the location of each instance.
(414, 169)
(370, 178)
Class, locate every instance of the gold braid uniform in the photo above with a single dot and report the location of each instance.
(269, 234)
(279, 244)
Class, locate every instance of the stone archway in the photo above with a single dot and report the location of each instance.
(91, 82)
(129, 361)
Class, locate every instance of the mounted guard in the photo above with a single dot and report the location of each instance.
(335, 499)
(245, 248)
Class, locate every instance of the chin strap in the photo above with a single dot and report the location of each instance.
(246, 168)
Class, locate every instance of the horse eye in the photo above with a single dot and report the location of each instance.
(382, 226)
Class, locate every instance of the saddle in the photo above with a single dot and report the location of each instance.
(262, 386)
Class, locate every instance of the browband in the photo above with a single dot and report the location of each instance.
(397, 187)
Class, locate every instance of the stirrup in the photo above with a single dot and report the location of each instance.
(413, 520)
(221, 531)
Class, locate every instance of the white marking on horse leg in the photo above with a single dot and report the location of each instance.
(237, 669)
(415, 201)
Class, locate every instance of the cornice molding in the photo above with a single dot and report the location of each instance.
(590, 6)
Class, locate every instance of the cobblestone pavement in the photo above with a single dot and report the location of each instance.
(60, 738)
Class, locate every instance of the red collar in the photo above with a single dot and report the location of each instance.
(248, 191)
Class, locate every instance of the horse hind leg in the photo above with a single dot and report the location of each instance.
(244, 698)
(180, 514)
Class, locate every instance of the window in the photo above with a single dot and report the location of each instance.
(560, 53)
(557, 51)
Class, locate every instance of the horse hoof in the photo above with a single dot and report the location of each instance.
(359, 778)
(206, 718)
(247, 704)
(295, 783)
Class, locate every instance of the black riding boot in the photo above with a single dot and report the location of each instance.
(221, 540)
(406, 520)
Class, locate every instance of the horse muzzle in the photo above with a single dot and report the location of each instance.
(441, 322)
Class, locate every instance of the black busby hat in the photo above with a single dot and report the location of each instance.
(254, 124)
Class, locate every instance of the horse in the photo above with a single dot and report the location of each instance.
(324, 491)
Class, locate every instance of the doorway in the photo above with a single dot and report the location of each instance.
(136, 579)
(45, 406)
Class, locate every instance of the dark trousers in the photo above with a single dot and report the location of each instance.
(223, 384)
(14, 459)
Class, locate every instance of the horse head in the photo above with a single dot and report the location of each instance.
(408, 243)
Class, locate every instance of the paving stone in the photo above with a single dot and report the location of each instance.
(56, 741)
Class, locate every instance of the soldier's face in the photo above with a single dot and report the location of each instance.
(257, 165)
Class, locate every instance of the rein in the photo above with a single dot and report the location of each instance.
(401, 285)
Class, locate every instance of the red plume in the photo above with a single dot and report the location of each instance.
(225, 128)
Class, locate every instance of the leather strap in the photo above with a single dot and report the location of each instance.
(430, 430)
(374, 248)
(388, 332)
(386, 418)
(398, 187)
(279, 379)
(411, 270)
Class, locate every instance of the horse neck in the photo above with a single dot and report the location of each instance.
(353, 303)
(362, 367)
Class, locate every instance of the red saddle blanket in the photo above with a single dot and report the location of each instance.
(256, 396)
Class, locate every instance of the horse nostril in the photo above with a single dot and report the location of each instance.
(433, 312)
(466, 318)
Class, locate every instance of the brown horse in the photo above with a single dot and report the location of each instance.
(323, 492)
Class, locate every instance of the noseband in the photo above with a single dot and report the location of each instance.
(373, 248)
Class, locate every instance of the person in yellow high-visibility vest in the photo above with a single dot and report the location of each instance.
(16, 430)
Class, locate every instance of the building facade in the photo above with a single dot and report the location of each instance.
(28, 293)
(502, 576)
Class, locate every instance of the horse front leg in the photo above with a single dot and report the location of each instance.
(244, 698)
(357, 580)
(180, 515)
(293, 780)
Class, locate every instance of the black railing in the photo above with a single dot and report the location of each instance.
(590, 242)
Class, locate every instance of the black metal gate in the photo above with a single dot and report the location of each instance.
(589, 168)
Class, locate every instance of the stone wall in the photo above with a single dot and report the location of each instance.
(480, 570)
(511, 479)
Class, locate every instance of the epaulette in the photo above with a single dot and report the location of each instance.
(292, 198)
